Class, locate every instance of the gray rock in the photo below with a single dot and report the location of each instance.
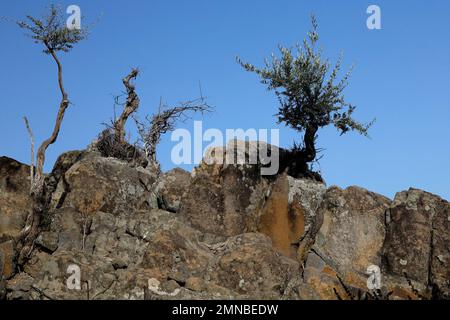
(418, 239)
(289, 215)
(226, 199)
(15, 201)
(170, 188)
(19, 287)
(104, 184)
(351, 236)
(7, 259)
(234, 234)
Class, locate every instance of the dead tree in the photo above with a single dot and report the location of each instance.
(130, 106)
(30, 133)
(51, 31)
(164, 121)
(112, 142)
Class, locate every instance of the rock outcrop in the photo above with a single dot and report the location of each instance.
(289, 216)
(171, 187)
(418, 238)
(349, 240)
(95, 183)
(14, 196)
(114, 230)
(15, 204)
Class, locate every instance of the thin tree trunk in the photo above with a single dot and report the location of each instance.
(39, 181)
(30, 133)
(31, 229)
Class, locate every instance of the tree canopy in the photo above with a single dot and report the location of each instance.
(309, 91)
(51, 30)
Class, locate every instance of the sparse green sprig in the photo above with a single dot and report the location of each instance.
(52, 31)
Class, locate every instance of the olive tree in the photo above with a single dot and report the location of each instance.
(309, 92)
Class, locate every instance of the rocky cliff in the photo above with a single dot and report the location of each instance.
(220, 232)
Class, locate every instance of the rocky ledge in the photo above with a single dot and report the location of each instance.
(220, 232)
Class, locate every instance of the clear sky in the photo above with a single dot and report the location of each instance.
(401, 77)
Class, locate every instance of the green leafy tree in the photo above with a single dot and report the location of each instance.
(309, 92)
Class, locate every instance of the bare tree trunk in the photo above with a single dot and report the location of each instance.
(30, 133)
(309, 150)
(39, 181)
(131, 105)
(297, 161)
(31, 229)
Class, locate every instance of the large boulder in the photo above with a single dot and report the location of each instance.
(95, 183)
(249, 265)
(225, 198)
(231, 198)
(349, 240)
(175, 251)
(289, 215)
(418, 240)
(15, 205)
(15, 201)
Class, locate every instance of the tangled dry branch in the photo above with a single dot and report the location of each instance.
(113, 142)
(164, 121)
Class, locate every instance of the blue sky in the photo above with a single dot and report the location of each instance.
(401, 77)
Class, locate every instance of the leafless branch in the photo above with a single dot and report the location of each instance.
(164, 121)
(30, 133)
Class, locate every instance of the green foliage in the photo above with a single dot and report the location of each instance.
(308, 88)
(51, 30)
